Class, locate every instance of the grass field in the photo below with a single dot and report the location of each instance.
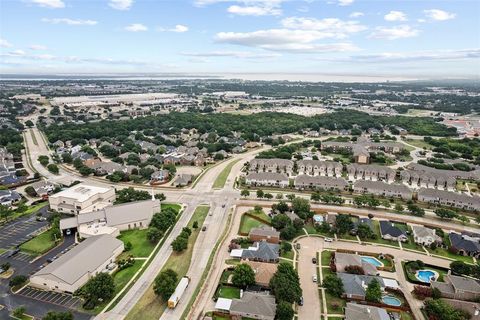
(419, 143)
(222, 177)
(34, 138)
(445, 253)
(30, 210)
(141, 247)
(174, 206)
(40, 244)
(248, 223)
(150, 306)
(325, 257)
(334, 305)
(228, 292)
(261, 215)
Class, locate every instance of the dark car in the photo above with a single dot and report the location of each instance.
(13, 252)
(204, 228)
(300, 302)
(314, 260)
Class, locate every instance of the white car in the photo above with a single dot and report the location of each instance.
(314, 278)
(328, 239)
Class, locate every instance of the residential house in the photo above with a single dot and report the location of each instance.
(254, 305)
(272, 179)
(9, 197)
(105, 168)
(263, 272)
(451, 199)
(354, 311)
(456, 287)
(389, 231)
(355, 286)
(428, 179)
(465, 245)
(321, 183)
(344, 260)
(425, 236)
(383, 189)
(183, 180)
(159, 177)
(43, 187)
(268, 234)
(473, 308)
(262, 251)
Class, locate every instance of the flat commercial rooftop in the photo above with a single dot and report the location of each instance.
(81, 192)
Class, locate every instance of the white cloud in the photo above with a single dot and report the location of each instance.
(17, 53)
(5, 44)
(330, 27)
(136, 27)
(254, 10)
(178, 28)
(344, 3)
(439, 15)
(395, 16)
(71, 22)
(38, 47)
(120, 4)
(416, 56)
(392, 33)
(235, 54)
(295, 41)
(356, 14)
(55, 4)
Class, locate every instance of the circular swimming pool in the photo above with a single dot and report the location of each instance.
(426, 276)
(391, 301)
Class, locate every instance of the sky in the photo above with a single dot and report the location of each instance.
(409, 39)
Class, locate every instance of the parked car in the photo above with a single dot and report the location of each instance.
(39, 218)
(328, 240)
(314, 260)
(223, 205)
(204, 228)
(314, 278)
(298, 246)
(300, 302)
(68, 232)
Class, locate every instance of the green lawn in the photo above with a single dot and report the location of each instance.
(419, 143)
(445, 253)
(40, 244)
(150, 306)
(248, 223)
(288, 255)
(325, 257)
(334, 301)
(228, 292)
(379, 239)
(30, 210)
(174, 206)
(261, 215)
(222, 177)
(141, 247)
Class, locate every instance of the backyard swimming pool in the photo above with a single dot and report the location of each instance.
(391, 301)
(377, 263)
(426, 276)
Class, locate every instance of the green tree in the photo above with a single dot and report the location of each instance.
(333, 285)
(374, 291)
(280, 207)
(100, 287)
(131, 195)
(343, 223)
(445, 213)
(180, 243)
(285, 283)
(165, 284)
(243, 276)
(301, 207)
(284, 311)
(280, 221)
(439, 310)
(19, 312)
(260, 193)
(245, 193)
(29, 123)
(364, 232)
(31, 191)
(53, 168)
(154, 234)
(398, 207)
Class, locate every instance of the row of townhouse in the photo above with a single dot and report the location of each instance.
(370, 172)
(320, 168)
(433, 180)
(303, 182)
(7, 169)
(388, 147)
(450, 199)
(383, 189)
(272, 165)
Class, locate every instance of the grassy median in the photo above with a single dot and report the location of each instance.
(222, 177)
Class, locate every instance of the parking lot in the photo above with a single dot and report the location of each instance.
(21, 256)
(17, 232)
(59, 299)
